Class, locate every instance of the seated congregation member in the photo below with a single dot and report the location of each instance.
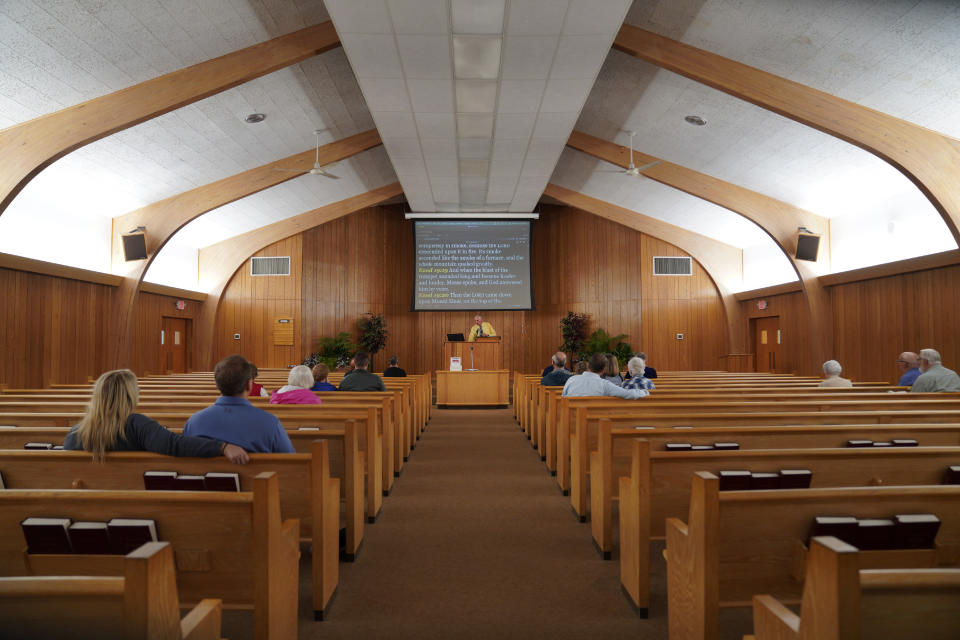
(648, 372)
(637, 380)
(558, 374)
(320, 374)
(110, 424)
(934, 376)
(589, 383)
(612, 371)
(233, 418)
(361, 379)
(257, 391)
(831, 372)
(907, 363)
(580, 367)
(394, 370)
(297, 390)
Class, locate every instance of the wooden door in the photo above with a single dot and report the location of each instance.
(766, 343)
(174, 347)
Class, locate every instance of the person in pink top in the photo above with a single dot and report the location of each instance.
(297, 390)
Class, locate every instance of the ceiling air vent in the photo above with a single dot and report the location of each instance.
(270, 266)
(672, 266)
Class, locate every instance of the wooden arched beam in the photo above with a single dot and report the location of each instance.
(929, 159)
(722, 262)
(31, 146)
(220, 261)
(778, 219)
(164, 218)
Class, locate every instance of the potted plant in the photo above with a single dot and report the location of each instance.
(334, 352)
(573, 329)
(602, 342)
(373, 332)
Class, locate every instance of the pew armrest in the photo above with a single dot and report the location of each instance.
(773, 621)
(203, 621)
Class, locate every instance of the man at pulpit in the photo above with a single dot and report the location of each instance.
(480, 329)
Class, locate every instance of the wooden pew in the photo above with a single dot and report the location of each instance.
(231, 546)
(142, 604)
(659, 485)
(614, 456)
(347, 465)
(842, 601)
(739, 543)
(307, 492)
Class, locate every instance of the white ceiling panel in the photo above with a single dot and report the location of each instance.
(520, 96)
(536, 17)
(475, 125)
(555, 125)
(360, 16)
(566, 94)
(403, 148)
(373, 55)
(528, 57)
(385, 94)
(515, 125)
(395, 124)
(425, 56)
(427, 17)
(471, 16)
(436, 125)
(431, 96)
(579, 57)
(595, 17)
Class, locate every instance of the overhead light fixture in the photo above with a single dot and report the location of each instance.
(482, 216)
(697, 120)
(254, 118)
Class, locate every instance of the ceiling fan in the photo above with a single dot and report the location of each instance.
(317, 169)
(633, 170)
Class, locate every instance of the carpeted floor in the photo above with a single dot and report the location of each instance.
(476, 541)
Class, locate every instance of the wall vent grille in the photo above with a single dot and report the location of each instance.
(672, 266)
(270, 266)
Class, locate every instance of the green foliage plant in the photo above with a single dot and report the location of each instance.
(573, 329)
(334, 352)
(602, 342)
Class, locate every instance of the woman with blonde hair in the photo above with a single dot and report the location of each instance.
(110, 424)
(297, 390)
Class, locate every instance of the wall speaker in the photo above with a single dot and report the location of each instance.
(808, 245)
(134, 246)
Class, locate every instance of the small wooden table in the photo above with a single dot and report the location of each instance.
(473, 388)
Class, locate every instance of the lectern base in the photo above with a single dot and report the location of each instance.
(473, 388)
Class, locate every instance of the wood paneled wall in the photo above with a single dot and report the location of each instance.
(875, 320)
(791, 309)
(364, 262)
(251, 305)
(52, 329)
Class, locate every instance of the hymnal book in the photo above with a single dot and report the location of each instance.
(189, 483)
(735, 480)
(883, 444)
(875, 533)
(40, 446)
(859, 443)
(58, 447)
(702, 447)
(215, 481)
(679, 446)
(159, 480)
(952, 476)
(795, 478)
(47, 535)
(916, 530)
(127, 534)
(308, 428)
(90, 537)
(843, 527)
(726, 446)
(905, 442)
(764, 480)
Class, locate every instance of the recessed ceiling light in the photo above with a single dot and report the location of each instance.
(697, 120)
(254, 118)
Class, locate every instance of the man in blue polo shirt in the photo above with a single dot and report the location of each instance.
(233, 419)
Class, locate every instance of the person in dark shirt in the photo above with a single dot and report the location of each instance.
(320, 374)
(648, 372)
(556, 375)
(361, 379)
(110, 424)
(394, 371)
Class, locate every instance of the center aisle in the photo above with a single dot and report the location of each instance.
(476, 541)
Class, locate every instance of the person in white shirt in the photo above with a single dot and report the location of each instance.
(934, 376)
(589, 383)
(831, 372)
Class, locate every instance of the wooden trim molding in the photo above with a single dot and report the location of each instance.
(722, 262)
(164, 290)
(931, 160)
(31, 146)
(220, 261)
(20, 263)
(766, 292)
(922, 263)
(164, 218)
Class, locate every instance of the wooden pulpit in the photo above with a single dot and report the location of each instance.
(484, 354)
